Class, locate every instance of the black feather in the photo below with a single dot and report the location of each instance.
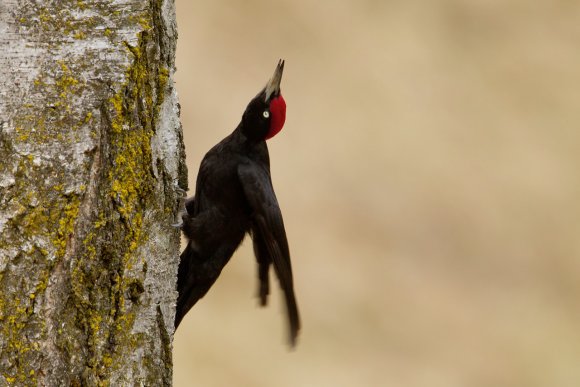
(234, 196)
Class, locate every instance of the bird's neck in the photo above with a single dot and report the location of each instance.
(246, 135)
(250, 146)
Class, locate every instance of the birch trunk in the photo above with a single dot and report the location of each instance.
(91, 154)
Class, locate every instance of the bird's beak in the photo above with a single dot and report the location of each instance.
(273, 86)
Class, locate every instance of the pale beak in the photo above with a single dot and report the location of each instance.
(273, 86)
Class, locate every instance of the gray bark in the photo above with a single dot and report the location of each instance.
(91, 154)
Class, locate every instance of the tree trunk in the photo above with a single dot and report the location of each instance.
(91, 155)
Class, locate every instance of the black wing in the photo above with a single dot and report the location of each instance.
(269, 236)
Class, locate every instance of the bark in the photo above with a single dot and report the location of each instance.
(91, 155)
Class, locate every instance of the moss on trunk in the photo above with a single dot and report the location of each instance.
(87, 254)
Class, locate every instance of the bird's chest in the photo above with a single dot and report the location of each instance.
(219, 187)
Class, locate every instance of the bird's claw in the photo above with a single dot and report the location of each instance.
(181, 207)
(180, 191)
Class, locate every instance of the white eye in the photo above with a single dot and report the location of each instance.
(266, 114)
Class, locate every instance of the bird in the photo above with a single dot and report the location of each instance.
(234, 196)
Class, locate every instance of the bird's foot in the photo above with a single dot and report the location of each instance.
(180, 190)
(181, 206)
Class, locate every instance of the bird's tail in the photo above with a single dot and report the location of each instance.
(185, 282)
(293, 316)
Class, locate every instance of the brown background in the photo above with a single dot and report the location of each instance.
(428, 176)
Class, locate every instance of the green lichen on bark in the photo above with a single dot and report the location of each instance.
(44, 209)
(125, 192)
(84, 223)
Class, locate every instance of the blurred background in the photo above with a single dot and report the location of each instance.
(428, 177)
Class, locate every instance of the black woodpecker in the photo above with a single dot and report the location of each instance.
(234, 196)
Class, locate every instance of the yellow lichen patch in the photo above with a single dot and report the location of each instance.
(61, 87)
(43, 283)
(19, 346)
(100, 222)
(22, 134)
(127, 188)
(107, 360)
(88, 117)
(102, 254)
(117, 102)
(66, 226)
(45, 17)
(36, 219)
(66, 86)
(162, 79)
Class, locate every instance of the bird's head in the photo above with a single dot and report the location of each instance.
(265, 115)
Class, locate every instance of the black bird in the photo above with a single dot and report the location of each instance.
(234, 196)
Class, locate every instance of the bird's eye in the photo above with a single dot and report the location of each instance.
(266, 114)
